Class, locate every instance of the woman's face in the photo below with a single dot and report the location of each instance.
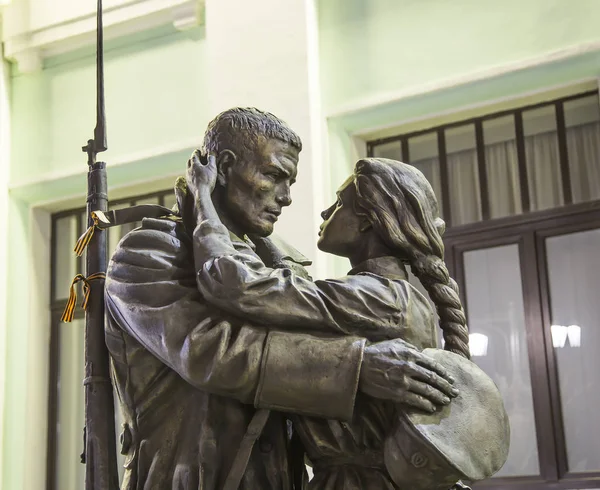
(340, 233)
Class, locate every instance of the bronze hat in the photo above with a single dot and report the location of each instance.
(467, 439)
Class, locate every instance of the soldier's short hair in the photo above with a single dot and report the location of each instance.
(240, 129)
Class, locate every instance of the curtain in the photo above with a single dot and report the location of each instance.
(543, 171)
(503, 179)
(463, 177)
(544, 178)
(583, 144)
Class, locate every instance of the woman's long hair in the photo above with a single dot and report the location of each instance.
(400, 204)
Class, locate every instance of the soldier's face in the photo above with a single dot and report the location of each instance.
(257, 189)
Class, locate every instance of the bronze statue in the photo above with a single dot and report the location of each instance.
(196, 363)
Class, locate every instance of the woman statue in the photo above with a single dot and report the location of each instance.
(385, 217)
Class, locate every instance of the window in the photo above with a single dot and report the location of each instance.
(66, 373)
(504, 164)
(520, 192)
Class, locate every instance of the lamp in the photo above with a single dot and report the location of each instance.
(574, 334)
(559, 335)
(478, 344)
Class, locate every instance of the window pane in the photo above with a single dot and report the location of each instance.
(423, 152)
(65, 261)
(169, 200)
(542, 157)
(582, 119)
(574, 280)
(115, 234)
(463, 175)
(502, 165)
(392, 150)
(495, 311)
(70, 472)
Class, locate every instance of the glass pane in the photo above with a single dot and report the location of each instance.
(65, 260)
(542, 158)
(502, 165)
(582, 119)
(496, 317)
(70, 473)
(423, 152)
(463, 175)
(574, 280)
(114, 237)
(149, 200)
(169, 200)
(392, 150)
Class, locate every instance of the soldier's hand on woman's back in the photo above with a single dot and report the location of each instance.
(397, 371)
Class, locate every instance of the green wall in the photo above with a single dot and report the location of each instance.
(156, 101)
(370, 47)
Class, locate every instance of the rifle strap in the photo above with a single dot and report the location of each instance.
(255, 427)
(106, 219)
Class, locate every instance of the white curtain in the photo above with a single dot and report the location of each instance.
(543, 171)
(503, 179)
(583, 144)
(543, 174)
(463, 177)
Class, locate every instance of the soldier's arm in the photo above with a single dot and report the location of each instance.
(151, 294)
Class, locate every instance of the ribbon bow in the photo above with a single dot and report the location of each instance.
(67, 315)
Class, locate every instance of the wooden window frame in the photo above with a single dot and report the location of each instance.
(565, 171)
(529, 231)
(57, 306)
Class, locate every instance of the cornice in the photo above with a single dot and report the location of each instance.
(29, 47)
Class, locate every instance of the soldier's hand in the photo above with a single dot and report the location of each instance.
(397, 371)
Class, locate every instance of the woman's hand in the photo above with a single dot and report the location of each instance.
(395, 370)
(201, 178)
(201, 174)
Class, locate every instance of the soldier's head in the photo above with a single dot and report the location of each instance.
(257, 159)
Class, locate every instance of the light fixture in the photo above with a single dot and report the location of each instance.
(559, 336)
(574, 334)
(478, 344)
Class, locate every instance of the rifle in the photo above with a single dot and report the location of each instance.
(100, 455)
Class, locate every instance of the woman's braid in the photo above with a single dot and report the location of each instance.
(443, 290)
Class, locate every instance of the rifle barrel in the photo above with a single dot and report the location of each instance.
(100, 440)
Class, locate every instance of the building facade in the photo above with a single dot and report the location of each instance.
(497, 103)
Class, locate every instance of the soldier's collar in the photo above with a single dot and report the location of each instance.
(389, 267)
(245, 240)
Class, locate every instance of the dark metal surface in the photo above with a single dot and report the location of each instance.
(481, 167)
(563, 153)
(522, 161)
(444, 178)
